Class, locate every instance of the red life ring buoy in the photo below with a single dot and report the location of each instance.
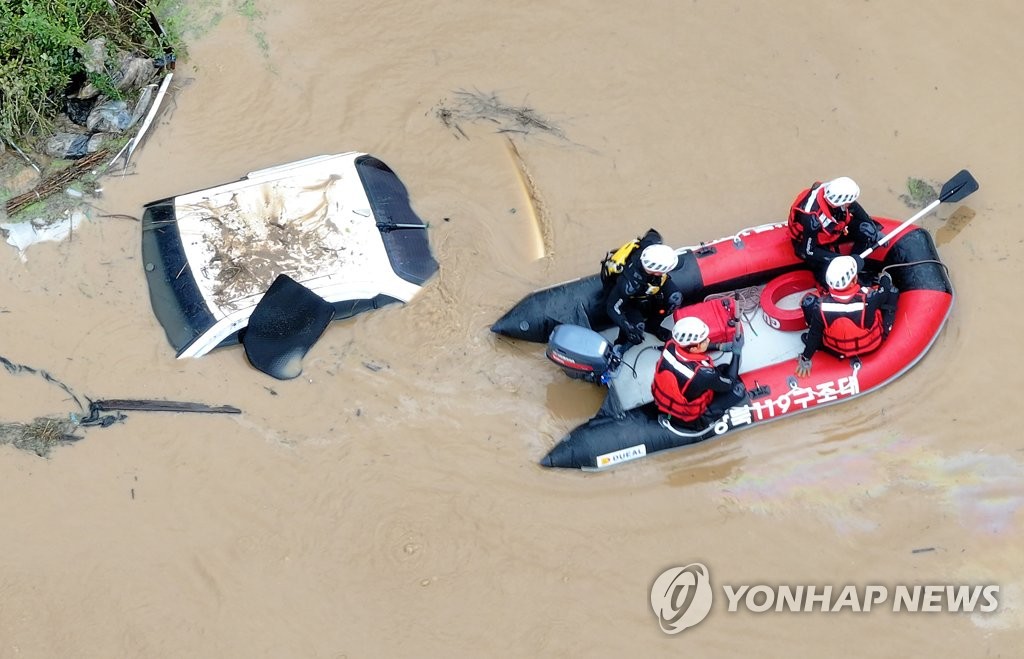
(787, 320)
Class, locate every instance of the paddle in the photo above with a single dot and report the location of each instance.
(955, 189)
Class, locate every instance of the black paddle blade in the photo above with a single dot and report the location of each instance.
(958, 187)
(284, 326)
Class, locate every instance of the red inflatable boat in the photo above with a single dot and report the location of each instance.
(751, 280)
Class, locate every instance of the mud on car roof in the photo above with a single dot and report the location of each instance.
(340, 225)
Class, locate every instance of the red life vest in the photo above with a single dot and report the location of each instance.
(849, 330)
(672, 379)
(811, 204)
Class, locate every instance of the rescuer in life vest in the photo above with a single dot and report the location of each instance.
(643, 294)
(687, 385)
(827, 215)
(849, 319)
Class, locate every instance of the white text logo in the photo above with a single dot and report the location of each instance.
(933, 599)
(681, 597)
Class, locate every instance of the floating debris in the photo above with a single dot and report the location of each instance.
(55, 182)
(160, 406)
(44, 433)
(477, 106)
(24, 234)
(40, 436)
(920, 193)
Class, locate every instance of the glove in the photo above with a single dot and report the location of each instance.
(803, 367)
(635, 334)
(860, 262)
(872, 231)
(674, 302)
(885, 280)
(737, 341)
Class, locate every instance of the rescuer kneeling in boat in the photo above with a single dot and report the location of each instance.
(827, 215)
(643, 294)
(849, 319)
(687, 385)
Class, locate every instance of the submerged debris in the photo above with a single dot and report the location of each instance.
(952, 227)
(544, 238)
(477, 106)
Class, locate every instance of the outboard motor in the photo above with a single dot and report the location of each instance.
(582, 353)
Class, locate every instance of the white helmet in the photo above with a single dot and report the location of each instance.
(841, 272)
(659, 259)
(842, 190)
(690, 331)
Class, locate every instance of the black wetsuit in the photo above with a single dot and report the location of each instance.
(634, 310)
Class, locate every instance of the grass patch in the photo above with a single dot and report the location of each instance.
(43, 49)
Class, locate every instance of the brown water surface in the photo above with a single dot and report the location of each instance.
(388, 502)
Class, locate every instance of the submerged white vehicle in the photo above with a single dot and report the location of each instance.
(338, 226)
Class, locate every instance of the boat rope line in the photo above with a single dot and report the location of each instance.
(748, 301)
(632, 367)
(736, 237)
(665, 421)
(921, 262)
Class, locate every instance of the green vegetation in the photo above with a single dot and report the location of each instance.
(43, 48)
(253, 14)
(70, 56)
(920, 193)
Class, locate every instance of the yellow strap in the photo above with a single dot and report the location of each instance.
(617, 261)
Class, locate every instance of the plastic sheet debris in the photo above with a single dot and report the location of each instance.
(131, 72)
(94, 55)
(109, 117)
(72, 146)
(24, 234)
(78, 109)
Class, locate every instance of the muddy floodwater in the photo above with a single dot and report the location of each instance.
(388, 502)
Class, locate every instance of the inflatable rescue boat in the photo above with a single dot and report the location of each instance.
(750, 281)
